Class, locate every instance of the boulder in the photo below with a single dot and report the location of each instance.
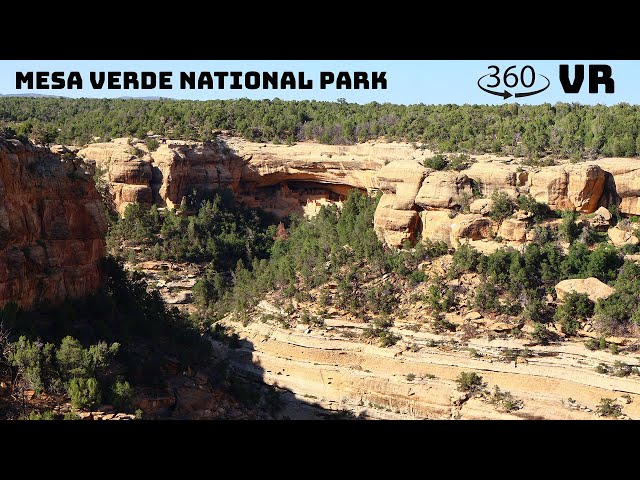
(392, 226)
(481, 206)
(443, 190)
(593, 287)
(621, 237)
(585, 186)
(603, 213)
(501, 327)
(513, 230)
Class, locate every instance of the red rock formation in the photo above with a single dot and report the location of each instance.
(52, 227)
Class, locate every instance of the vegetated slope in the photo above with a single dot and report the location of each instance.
(329, 286)
(77, 332)
(569, 130)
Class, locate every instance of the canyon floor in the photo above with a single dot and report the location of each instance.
(332, 368)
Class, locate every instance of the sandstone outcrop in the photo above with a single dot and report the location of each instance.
(52, 227)
(513, 230)
(626, 178)
(577, 187)
(303, 177)
(481, 205)
(492, 177)
(620, 237)
(403, 179)
(443, 190)
(593, 287)
(436, 226)
(166, 175)
(472, 227)
(394, 226)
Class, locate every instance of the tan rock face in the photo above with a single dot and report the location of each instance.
(166, 175)
(593, 287)
(394, 226)
(620, 237)
(496, 177)
(403, 179)
(52, 227)
(576, 187)
(481, 205)
(513, 230)
(626, 176)
(436, 226)
(443, 190)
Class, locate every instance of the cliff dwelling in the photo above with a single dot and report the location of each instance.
(299, 196)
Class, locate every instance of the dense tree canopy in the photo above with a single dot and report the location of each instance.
(563, 129)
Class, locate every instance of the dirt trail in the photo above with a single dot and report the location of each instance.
(333, 368)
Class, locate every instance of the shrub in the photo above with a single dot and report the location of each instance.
(411, 377)
(568, 229)
(604, 262)
(388, 339)
(122, 394)
(503, 206)
(84, 392)
(34, 363)
(152, 144)
(621, 369)
(608, 408)
(469, 382)
(441, 324)
(459, 162)
(486, 298)
(505, 401)
(591, 344)
(465, 259)
(575, 308)
(46, 415)
(541, 334)
(418, 276)
(529, 204)
(437, 162)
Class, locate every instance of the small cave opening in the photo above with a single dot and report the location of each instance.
(301, 196)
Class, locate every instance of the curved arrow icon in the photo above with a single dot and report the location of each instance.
(528, 94)
(504, 94)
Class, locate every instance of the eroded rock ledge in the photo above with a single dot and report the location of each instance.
(416, 200)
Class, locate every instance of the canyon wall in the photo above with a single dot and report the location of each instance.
(52, 227)
(449, 206)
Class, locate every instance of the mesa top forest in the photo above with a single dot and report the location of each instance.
(567, 130)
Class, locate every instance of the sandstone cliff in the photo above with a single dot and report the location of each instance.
(416, 200)
(164, 176)
(52, 227)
